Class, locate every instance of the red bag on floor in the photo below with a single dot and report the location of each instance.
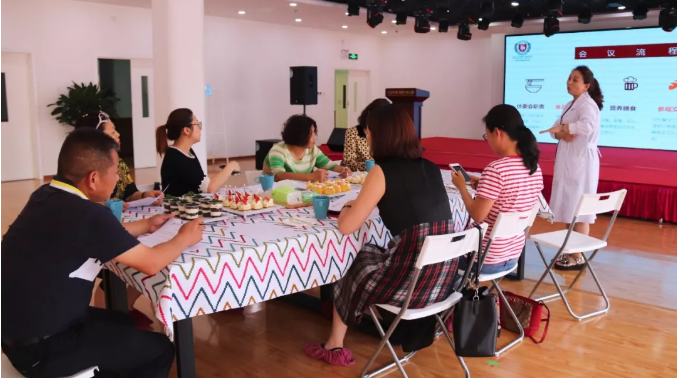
(528, 311)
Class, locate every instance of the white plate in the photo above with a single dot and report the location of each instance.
(250, 212)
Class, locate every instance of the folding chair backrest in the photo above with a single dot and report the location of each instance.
(593, 204)
(439, 248)
(512, 224)
(544, 210)
(252, 176)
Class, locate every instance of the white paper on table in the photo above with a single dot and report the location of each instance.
(164, 234)
(337, 204)
(271, 231)
(142, 202)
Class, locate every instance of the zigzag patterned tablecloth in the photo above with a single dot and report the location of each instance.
(236, 265)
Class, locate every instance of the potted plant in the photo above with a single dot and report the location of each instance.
(83, 99)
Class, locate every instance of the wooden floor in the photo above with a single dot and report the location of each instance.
(637, 338)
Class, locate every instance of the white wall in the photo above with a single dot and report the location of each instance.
(453, 71)
(247, 64)
(65, 39)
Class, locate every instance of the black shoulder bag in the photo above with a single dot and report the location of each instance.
(475, 323)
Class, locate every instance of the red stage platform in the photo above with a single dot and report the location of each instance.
(649, 176)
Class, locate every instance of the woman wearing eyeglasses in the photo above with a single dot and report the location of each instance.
(181, 171)
(125, 189)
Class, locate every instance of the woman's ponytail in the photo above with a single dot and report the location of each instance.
(528, 148)
(595, 93)
(161, 143)
(508, 119)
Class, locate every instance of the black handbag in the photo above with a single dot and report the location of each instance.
(475, 323)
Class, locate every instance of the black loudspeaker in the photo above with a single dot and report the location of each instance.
(262, 149)
(303, 85)
(337, 139)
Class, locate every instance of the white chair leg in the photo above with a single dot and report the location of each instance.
(514, 317)
(385, 342)
(451, 343)
(562, 293)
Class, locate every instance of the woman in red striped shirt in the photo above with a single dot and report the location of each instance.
(508, 185)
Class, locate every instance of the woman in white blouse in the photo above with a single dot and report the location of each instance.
(577, 158)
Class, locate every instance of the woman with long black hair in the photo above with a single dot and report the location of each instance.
(510, 184)
(577, 159)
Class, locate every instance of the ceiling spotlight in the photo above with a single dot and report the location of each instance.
(298, 20)
(464, 33)
(432, 28)
(421, 25)
(550, 26)
(555, 7)
(585, 16)
(517, 20)
(401, 19)
(622, 7)
(483, 24)
(640, 12)
(345, 26)
(374, 17)
(384, 32)
(353, 8)
(667, 18)
(443, 26)
(241, 12)
(486, 13)
(515, 4)
(394, 21)
(292, 4)
(480, 19)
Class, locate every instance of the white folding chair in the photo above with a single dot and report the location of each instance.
(570, 241)
(8, 371)
(436, 249)
(544, 209)
(253, 177)
(507, 225)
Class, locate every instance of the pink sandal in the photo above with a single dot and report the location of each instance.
(336, 356)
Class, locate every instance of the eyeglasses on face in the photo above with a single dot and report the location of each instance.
(198, 124)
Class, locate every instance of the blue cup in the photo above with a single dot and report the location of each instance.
(115, 205)
(267, 182)
(321, 206)
(370, 164)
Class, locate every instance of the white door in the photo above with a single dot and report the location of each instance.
(19, 152)
(358, 94)
(143, 120)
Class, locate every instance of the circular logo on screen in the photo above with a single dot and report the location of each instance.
(522, 47)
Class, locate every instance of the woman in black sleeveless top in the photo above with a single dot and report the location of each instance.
(410, 195)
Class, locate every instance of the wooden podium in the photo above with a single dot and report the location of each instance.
(411, 100)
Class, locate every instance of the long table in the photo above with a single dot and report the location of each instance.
(242, 261)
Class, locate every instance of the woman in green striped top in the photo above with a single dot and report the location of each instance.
(297, 156)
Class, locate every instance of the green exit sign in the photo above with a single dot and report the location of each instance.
(352, 56)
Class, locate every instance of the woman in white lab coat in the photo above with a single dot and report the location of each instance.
(577, 159)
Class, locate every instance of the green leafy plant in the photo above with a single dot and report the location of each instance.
(83, 99)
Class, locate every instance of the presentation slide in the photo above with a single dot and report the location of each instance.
(636, 69)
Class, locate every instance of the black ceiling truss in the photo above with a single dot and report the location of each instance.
(454, 12)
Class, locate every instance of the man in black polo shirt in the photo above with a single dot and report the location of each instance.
(53, 252)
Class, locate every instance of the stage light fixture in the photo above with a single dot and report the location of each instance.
(401, 19)
(667, 18)
(550, 26)
(464, 33)
(374, 16)
(486, 14)
(555, 7)
(517, 20)
(421, 25)
(585, 16)
(443, 27)
(353, 8)
(640, 12)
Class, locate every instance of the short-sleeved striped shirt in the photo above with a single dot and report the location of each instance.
(279, 159)
(508, 182)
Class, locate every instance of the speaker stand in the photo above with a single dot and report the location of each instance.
(304, 109)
